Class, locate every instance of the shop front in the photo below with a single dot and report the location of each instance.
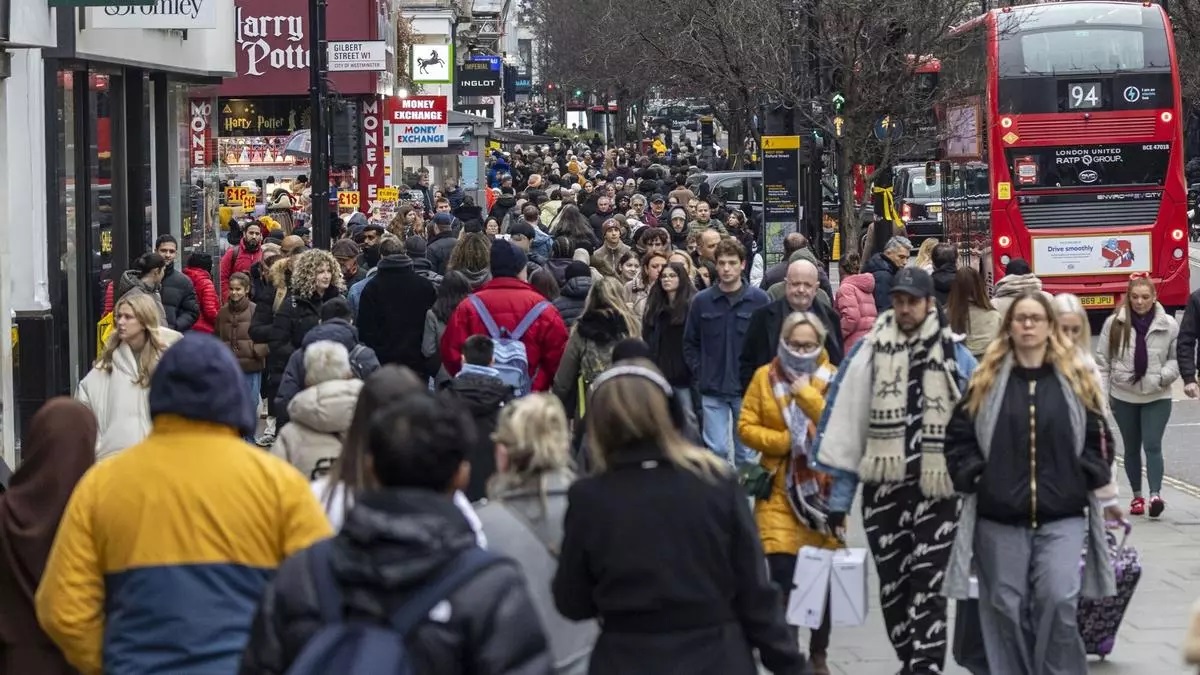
(246, 121)
(104, 127)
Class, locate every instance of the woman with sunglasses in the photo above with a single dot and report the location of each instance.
(1136, 355)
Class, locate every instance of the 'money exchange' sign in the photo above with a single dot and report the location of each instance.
(419, 121)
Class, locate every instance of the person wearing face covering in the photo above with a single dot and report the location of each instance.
(59, 449)
(780, 411)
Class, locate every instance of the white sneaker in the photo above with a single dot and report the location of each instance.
(268, 436)
(262, 408)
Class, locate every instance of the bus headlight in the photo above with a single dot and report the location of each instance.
(1177, 254)
(1004, 242)
(1004, 259)
(1177, 235)
(1166, 116)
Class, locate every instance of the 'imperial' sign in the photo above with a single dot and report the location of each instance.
(163, 14)
(419, 121)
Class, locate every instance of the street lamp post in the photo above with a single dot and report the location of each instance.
(320, 141)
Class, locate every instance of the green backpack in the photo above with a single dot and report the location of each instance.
(596, 359)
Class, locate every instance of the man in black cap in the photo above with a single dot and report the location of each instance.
(887, 412)
(514, 309)
(442, 243)
(655, 216)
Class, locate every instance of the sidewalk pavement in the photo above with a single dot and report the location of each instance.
(1151, 636)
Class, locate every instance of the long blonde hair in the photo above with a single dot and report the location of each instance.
(533, 431)
(609, 295)
(633, 410)
(1061, 353)
(925, 253)
(145, 310)
(1119, 332)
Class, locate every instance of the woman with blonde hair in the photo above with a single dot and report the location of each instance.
(118, 386)
(782, 406)
(1136, 354)
(1028, 446)
(523, 517)
(660, 546)
(605, 321)
(924, 259)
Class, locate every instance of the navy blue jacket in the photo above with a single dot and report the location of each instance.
(884, 270)
(712, 339)
(363, 363)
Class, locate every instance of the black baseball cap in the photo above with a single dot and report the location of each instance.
(913, 281)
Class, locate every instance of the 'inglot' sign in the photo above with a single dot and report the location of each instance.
(419, 121)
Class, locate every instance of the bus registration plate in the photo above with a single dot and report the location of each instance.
(1097, 301)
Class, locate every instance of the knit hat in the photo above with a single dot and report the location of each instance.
(577, 269)
(345, 248)
(507, 259)
(443, 220)
(194, 379)
(678, 212)
(415, 246)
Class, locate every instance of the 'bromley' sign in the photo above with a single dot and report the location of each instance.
(477, 78)
(419, 121)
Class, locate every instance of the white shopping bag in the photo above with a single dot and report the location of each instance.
(806, 604)
(973, 588)
(848, 587)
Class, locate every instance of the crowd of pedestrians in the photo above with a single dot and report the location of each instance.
(583, 430)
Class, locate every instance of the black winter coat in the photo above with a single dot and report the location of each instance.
(296, 316)
(262, 331)
(571, 299)
(762, 336)
(884, 271)
(666, 345)
(179, 300)
(1003, 482)
(943, 279)
(684, 591)
(483, 397)
(391, 313)
(439, 249)
(395, 541)
(1189, 334)
(504, 204)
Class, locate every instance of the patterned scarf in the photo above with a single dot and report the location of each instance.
(807, 490)
(884, 461)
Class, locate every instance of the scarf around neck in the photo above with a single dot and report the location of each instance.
(807, 490)
(1141, 356)
(884, 461)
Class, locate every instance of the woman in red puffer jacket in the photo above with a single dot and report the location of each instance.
(855, 302)
(199, 270)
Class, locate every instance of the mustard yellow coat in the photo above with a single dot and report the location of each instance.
(762, 428)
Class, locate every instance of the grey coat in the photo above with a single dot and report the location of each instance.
(1099, 580)
(518, 524)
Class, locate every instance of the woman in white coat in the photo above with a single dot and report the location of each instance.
(117, 388)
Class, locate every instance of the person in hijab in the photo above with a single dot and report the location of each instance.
(58, 450)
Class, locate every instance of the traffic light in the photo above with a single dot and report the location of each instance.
(578, 93)
(550, 86)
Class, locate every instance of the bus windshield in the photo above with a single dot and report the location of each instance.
(1067, 39)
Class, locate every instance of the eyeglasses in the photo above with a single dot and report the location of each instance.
(804, 347)
(1030, 319)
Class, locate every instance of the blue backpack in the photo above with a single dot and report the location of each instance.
(359, 647)
(510, 357)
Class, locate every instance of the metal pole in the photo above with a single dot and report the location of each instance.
(320, 142)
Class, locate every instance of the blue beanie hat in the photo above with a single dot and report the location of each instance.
(199, 379)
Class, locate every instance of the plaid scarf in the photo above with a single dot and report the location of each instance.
(884, 461)
(807, 490)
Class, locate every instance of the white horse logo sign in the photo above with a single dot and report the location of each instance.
(431, 64)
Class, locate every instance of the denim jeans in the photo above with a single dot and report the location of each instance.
(720, 429)
(253, 385)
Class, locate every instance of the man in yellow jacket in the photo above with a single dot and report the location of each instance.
(164, 550)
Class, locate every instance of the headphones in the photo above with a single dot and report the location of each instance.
(674, 405)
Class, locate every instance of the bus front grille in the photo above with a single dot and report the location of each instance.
(1097, 214)
(1086, 131)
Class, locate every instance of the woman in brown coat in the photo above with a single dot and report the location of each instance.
(233, 327)
(58, 450)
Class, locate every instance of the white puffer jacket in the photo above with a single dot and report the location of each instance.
(319, 418)
(1161, 371)
(121, 406)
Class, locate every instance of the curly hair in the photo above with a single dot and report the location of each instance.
(304, 272)
(472, 253)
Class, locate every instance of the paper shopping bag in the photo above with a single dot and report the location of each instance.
(848, 587)
(806, 604)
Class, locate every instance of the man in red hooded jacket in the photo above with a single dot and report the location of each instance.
(508, 298)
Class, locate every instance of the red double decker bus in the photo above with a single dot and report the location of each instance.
(1079, 120)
